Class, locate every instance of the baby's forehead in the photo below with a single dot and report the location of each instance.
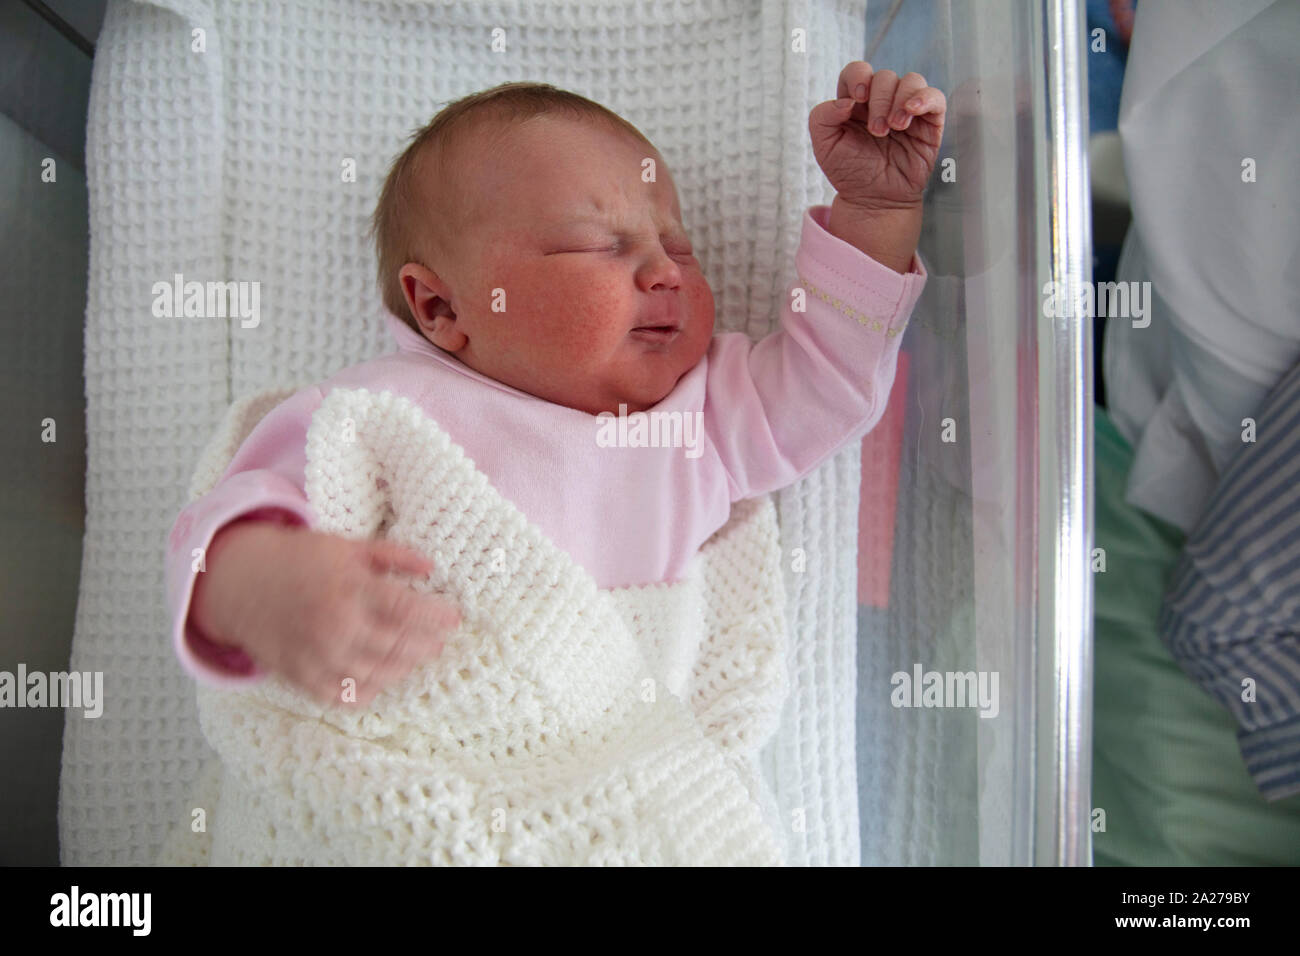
(618, 207)
(559, 177)
(560, 135)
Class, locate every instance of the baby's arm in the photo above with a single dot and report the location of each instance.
(777, 409)
(263, 482)
(278, 596)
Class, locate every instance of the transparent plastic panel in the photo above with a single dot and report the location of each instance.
(972, 653)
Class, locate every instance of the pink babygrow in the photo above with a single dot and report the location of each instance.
(772, 412)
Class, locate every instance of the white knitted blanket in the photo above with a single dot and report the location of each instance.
(234, 162)
(563, 724)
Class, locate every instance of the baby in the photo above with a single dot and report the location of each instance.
(539, 280)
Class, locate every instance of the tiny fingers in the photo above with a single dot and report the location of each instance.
(391, 556)
(855, 81)
(900, 110)
(883, 87)
(929, 101)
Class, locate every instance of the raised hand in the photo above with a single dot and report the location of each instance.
(878, 142)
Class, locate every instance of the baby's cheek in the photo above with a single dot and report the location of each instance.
(700, 300)
(582, 314)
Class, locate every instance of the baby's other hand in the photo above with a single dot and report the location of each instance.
(878, 143)
(318, 609)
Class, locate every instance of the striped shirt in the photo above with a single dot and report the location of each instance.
(1231, 616)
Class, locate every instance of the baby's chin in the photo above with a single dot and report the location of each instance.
(632, 400)
(644, 399)
(638, 389)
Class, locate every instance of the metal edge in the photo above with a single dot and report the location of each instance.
(1065, 433)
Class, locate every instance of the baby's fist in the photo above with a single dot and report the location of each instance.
(878, 143)
(320, 610)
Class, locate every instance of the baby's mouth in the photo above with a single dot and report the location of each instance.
(660, 334)
(666, 321)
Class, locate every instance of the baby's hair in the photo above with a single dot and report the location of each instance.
(392, 226)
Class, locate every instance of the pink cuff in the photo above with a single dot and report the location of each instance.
(246, 496)
(844, 273)
(232, 661)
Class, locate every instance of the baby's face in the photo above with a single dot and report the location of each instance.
(577, 252)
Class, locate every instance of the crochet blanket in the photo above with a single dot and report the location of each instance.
(562, 724)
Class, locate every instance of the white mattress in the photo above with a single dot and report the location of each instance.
(225, 165)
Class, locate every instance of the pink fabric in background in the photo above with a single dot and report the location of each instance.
(882, 451)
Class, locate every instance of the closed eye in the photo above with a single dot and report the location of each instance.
(565, 252)
(680, 248)
(677, 254)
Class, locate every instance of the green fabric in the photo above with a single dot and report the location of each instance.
(1166, 768)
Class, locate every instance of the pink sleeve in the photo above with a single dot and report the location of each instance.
(264, 481)
(778, 408)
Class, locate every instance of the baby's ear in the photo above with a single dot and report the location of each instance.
(424, 292)
(429, 300)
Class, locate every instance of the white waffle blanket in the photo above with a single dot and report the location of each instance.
(221, 140)
(558, 727)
